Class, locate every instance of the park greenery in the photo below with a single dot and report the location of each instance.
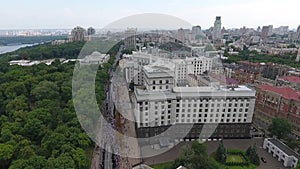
(11, 40)
(39, 128)
(48, 51)
(280, 128)
(240, 158)
(253, 56)
(195, 156)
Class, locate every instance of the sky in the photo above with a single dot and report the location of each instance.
(56, 14)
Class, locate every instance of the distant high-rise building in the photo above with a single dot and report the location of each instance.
(78, 34)
(298, 33)
(258, 29)
(91, 31)
(180, 35)
(196, 32)
(270, 30)
(130, 38)
(281, 30)
(298, 56)
(265, 32)
(217, 29)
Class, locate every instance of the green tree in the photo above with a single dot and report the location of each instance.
(280, 127)
(64, 161)
(80, 158)
(194, 157)
(221, 153)
(46, 90)
(253, 155)
(34, 129)
(6, 154)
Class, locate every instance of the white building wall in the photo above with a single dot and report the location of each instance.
(288, 161)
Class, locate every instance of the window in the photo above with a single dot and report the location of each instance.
(153, 87)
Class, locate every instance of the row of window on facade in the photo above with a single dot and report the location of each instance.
(180, 101)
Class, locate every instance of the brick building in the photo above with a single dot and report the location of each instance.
(274, 101)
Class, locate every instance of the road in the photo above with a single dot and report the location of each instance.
(103, 158)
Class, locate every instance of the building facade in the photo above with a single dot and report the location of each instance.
(130, 38)
(281, 151)
(209, 109)
(281, 102)
(217, 35)
(78, 34)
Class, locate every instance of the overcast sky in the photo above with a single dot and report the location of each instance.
(34, 14)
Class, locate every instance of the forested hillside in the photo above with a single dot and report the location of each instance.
(38, 124)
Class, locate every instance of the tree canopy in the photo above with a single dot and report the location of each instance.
(39, 128)
(280, 127)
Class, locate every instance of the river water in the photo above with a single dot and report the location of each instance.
(11, 48)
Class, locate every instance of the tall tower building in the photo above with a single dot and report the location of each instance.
(298, 56)
(298, 33)
(78, 34)
(91, 31)
(130, 38)
(196, 32)
(217, 29)
(270, 32)
(180, 35)
(265, 32)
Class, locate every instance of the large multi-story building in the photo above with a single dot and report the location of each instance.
(196, 32)
(172, 94)
(78, 34)
(265, 32)
(274, 101)
(217, 34)
(91, 31)
(130, 38)
(182, 67)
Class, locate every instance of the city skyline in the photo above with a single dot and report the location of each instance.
(68, 14)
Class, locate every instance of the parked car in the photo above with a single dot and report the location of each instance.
(263, 160)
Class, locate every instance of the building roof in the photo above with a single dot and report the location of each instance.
(286, 92)
(291, 79)
(283, 147)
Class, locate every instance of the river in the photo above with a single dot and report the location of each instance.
(11, 48)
